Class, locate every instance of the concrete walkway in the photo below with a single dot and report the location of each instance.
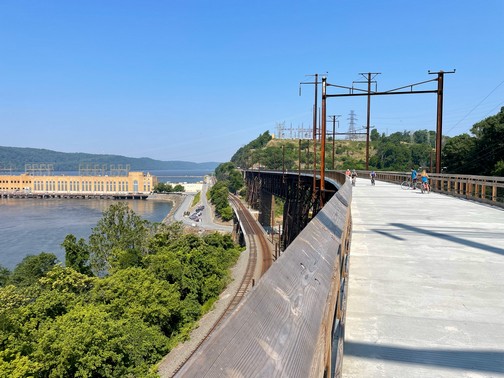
(426, 290)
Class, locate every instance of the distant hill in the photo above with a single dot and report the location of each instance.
(17, 157)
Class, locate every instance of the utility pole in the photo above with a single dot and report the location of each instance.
(407, 89)
(334, 135)
(299, 162)
(368, 118)
(314, 129)
(439, 122)
(323, 138)
(283, 163)
(315, 137)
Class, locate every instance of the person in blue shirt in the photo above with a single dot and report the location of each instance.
(373, 176)
(413, 177)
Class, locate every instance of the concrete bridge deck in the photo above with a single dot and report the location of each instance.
(426, 291)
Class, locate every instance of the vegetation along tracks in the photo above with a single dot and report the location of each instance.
(253, 232)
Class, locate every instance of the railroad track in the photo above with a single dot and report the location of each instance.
(253, 232)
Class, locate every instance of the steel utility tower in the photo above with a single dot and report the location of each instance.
(351, 126)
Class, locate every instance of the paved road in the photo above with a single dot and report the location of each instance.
(426, 291)
(207, 219)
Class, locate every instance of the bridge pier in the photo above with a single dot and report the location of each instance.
(301, 202)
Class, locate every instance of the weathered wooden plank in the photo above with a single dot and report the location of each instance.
(282, 329)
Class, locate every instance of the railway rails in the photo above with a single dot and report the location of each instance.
(254, 232)
(255, 237)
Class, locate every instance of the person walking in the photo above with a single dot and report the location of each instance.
(414, 175)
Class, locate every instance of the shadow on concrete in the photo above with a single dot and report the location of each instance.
(476, 360)
(329, 223)
(388, 234)
(451, 238)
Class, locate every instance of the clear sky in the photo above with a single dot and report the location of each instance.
(196, 80)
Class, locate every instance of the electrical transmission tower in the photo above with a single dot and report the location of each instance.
(351, 128)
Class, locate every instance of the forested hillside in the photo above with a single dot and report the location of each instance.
(17, 157)
(481, 153)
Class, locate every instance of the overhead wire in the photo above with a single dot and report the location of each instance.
(475, 107)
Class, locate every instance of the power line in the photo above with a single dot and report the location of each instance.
(488, 95)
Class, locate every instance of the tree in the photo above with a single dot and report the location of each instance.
(137, 292)
(119, 240)
(62, 323)
(489, 149)
(226, 213)
(223, 171)
(458, 154)
(391, 156)
(244, 157)
(31, 268)
(178, 188)
(375, 135)
(66, 280)
(420, 155)
(235, 181)
(4, 275)
(89, 342)
(498, 169)
(219, 197)
(77, 254)
(163, 187)
(54, 295)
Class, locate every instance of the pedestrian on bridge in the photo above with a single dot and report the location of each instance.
(414, 175)
(425, 181)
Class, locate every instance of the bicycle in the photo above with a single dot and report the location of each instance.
(408, 184)
(425, 187)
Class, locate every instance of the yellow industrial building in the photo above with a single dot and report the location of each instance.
(133, 183)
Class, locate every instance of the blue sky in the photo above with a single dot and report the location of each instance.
(196, 80)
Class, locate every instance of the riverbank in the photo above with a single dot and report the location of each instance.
(31, 226)
(175, 198)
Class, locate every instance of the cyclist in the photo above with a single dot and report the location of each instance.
(373, 176)
(354, 177)
(348, 173)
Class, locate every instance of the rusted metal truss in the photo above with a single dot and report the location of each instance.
(301, 202)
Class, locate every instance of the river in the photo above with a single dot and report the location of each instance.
(31, 226)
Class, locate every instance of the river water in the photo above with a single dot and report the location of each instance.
(31, 226)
